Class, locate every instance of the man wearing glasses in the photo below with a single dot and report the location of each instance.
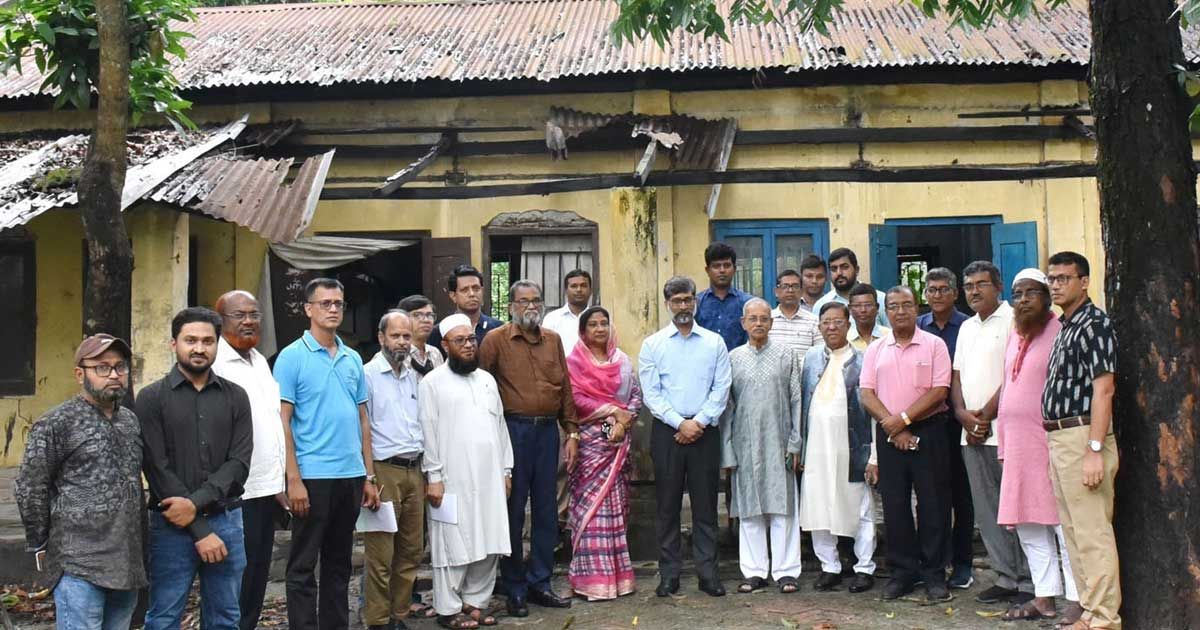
(79, 490)
(424, 355)
(791, 324)
(330, 472)
(238, 361)
(530, 369)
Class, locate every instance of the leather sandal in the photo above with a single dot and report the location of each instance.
(1025, 612)
(751, 585)
(479, 616)
(457, 622)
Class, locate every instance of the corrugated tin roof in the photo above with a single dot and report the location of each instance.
(330, 44)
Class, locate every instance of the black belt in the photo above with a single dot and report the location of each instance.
(402, 462)
(534, 420)
(1066, 423)
(212, 510)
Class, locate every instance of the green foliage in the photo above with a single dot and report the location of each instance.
(61, 38)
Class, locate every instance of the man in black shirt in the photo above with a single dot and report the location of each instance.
(197, 433)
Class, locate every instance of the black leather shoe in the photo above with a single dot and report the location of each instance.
(517, 607)
(935, 593)
(861, 582)
(547, 599)
(827, 581)
(382, 626)
(667, 586)
(713, 587)
(897, 588)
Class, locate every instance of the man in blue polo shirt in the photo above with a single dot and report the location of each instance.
(719, 307)
(329, 470)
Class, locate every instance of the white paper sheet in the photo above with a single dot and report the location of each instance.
(381, 520)
(447, 512)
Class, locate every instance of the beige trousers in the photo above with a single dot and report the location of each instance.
(1086, 517)
(392, 559)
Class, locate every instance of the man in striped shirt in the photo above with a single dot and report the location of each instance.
(791, 325)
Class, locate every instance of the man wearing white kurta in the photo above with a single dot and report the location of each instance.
(468, 456)
(836, 437)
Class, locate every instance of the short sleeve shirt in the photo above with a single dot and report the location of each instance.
(902, 374)
(1085, 349)
(980, 365)
(325, 391)
(723, 317)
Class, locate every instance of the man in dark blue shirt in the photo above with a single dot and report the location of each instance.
(719, 307)
(465, 288)
(942, 320)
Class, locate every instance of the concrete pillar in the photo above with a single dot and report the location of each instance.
(160, 285)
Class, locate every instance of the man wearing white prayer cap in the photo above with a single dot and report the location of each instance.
(468, 464)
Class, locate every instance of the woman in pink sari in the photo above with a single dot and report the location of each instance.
(607, 397)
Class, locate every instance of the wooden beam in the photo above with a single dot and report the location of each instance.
(646, 163)
(1031, 113)
(741, 176)
(410, 172)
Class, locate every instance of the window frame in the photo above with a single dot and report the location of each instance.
(768, 230)
(23, 245)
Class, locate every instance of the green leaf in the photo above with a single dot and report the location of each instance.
(46, 32)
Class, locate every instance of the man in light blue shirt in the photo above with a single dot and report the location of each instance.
(396, 445)
(685, 376)
(843, 271)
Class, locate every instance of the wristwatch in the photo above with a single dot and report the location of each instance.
(573, 436)
(371, 480)
(1095, 446)
(905, 418)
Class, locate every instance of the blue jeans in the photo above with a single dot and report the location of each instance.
(81, 605)
(174, 564)
(534, 479)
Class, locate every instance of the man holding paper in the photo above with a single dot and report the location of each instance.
(396, 443)
(468, 462)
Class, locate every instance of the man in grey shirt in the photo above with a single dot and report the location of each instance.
(79, 490)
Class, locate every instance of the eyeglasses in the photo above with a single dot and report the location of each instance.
(1018, 296)
(1063, 279)
(903, 306)
(681, 302)
(424, 316)
(524, 303)
(942, 290)
(104, 369)
(238, 316)
(788, 287)
(332, 305)
(971, 286)
(459, 342)
(833, 323)
(757, 319)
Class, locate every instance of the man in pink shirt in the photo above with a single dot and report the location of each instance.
(904, 383)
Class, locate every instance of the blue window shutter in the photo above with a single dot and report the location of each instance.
(885, 266)
(1014, 247)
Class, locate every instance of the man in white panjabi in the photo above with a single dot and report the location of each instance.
(468, 456)
(835, 460)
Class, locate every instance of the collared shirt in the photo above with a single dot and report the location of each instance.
(805, 306)
(950, 333)
(485, 325)
(833, 296)
(79, 490)
(566, 323)
(531, 375)
(980, 365)
(433, 358)
(723, 317)
(799, 332)
(196, 443)
(685, 377)
(902, 374)
(392, 408)
(268, 462)
(1086, 348)
(325, 392)
(861, 343)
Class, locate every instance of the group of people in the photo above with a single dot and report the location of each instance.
(813, 408)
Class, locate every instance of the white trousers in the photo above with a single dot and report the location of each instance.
(825, 543)
(1044, 556)
(784, 534)
(469, 584)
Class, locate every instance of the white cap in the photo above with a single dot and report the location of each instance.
(1031, 273)
(452, 322)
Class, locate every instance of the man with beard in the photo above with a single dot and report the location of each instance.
(843, 265)
(424, 356)
(197, 432)
(79, 490)
(396, 444)
(685, 375)
(719, 307)
(465, 289)
(760, 437)
(865, 328)
(904, 383)
(330, 471)
(530, 369)
(263, 500)
(468, 460)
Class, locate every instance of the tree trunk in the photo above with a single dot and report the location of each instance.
(107, 294)
(1149, 219)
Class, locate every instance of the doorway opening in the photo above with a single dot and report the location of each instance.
(920, 248)
(539, 245)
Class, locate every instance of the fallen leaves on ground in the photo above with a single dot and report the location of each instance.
(986, 613)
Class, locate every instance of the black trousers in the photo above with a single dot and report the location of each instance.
(327, 535)
(258, 522)
(695, 467)
(916, 551)
(962, 509)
